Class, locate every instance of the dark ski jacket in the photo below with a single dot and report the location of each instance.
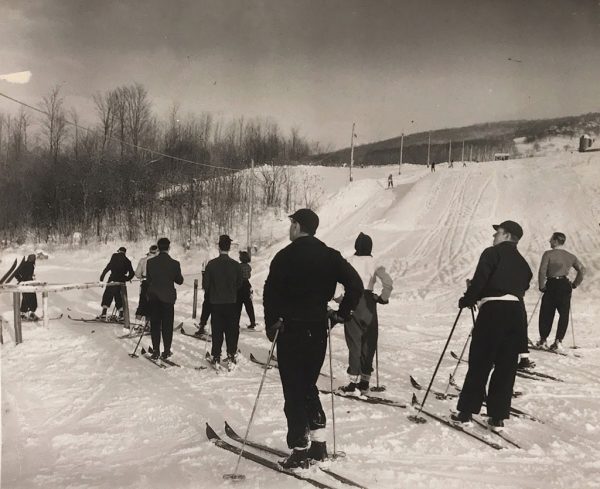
(221, 279)
(302, 280)
(162, 273)
(501, 270)
(120, 269)
(25, 271)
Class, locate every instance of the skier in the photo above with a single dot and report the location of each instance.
(162, 273)
(245, 291)
(361, 330)
(25, 273)
(140, 272)
(302, 280)
(433, 167)
(120, 271)
(222, 278)
(498, 286)
(390, 181)
(556, 287)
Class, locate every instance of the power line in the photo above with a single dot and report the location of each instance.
(151, 151)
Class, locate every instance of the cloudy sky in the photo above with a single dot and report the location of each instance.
(390, 66)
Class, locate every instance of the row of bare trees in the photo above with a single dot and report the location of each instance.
(132, 175)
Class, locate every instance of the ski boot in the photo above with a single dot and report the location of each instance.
(317, 451)
(495, 424)
(363, 387)
(231, 362)
(461, 417)
(166, 354)
(525, 363)
(541, 343)
(298, 459)
(557, 346)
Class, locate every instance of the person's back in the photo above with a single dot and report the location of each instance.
(162, 273)
(25, 271)
(222, 278)
(120, 268)
(557, 263)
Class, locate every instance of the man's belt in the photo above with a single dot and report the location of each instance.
(505, 297)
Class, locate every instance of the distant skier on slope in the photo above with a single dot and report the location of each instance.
(162, 273)
(221, 279)
(556, 287)
(362, 329)
(302, 280)
(26, 272)
(390, 181)
(433, 167)
(245, 291)
(140, 272)
(498, 286)
(120, 270)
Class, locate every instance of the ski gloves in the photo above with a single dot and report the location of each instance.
(273, 328)
(463, 303)
(379, 299)
(335, 317)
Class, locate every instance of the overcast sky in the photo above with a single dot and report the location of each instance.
(390, 66)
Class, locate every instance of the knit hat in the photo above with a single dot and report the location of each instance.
(122, 249)
(363, 245)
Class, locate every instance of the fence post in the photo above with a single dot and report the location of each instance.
(126, 323)
(195, 304)
(45, 309)
(17, 317)
(1, 332)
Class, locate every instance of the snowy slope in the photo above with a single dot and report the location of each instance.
(78, 412)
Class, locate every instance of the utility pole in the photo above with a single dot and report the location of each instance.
(462, 157)
(401, 147)
(471, 152)
(250, 208)
(450, 165)
(428, 148)
(352, 150)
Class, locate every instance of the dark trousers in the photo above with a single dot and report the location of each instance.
(244, 298)
(556, 298)
(361, 333)
(161, 321)
(142, 309)
(300, 354)
(224, 323)
(110, 293)
(205, 313)
(29, 302)
(497, 338)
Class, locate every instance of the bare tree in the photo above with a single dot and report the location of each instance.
(54, 122)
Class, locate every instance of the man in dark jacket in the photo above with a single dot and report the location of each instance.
(120, 270)
(162, 273)
(498, 287)
(25, 273)
(221, 280)
(302, 280)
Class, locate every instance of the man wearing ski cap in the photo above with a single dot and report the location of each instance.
(140, 272)
(302, 280)
(498, 286)
(120, 270)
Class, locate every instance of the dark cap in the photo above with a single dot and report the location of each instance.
(225, 242)
(308, 220)
(122, 249)
(510, 227)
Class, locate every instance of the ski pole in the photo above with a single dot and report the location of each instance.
(133, 355)
(572, 327)
(462, 353)
(534, 309)
(417, 418)
(235, 476)
(335, 453)
(378, 388)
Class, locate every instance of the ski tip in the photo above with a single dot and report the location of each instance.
(182, 330)
(143, 351)
(414, 383)
(210, 433)
(229, 430)
(414, 401)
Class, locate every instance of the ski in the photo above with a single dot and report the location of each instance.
(556, 352)
(41, 318)
(11, 275)
(448, 422)
(437, 394)
(135, 334)
(219, 442)
(10, 271)
(164, 360)
(496, 432)
(150, 359)
(280, 453)
(204, 337)
(274, 365)
(368, 399)
(96, 320)
(524, 374)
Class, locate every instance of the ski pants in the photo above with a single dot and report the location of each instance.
(361, 333)
(497, 338)
(112, 292)
(556, 298)
(244, 298)
(224, 323)
(161, 321)
(29, 302)
(301, 351)
(205, 313)
(142, 309)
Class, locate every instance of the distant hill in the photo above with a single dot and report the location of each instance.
(480, 140)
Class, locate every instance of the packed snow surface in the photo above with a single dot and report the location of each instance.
(79, 412)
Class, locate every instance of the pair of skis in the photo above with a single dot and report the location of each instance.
(253, 359)
(160, 362)
(265, 462)
(10, 274)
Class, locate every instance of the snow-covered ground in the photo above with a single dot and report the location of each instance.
(78, 412)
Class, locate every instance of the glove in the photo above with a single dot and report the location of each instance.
(542, 289)
(462, 304)
(272, 329)
(335, 317)
(382, 301)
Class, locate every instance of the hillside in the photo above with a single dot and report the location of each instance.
(481, 141)
(79, 412)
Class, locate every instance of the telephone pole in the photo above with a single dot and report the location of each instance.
(401, 147)
(352, 150)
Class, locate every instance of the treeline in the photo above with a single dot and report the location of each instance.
(113, 181)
